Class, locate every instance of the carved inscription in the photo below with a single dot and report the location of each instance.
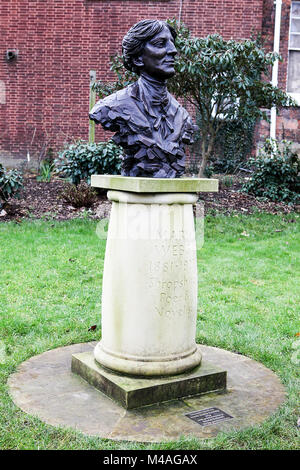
(173, 276)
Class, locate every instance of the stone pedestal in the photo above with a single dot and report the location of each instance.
(149, 292)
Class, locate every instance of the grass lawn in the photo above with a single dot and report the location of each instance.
(51, 275)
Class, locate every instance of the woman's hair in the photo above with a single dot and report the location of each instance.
(134, 41)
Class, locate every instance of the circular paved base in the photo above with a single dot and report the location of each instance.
(44, 386)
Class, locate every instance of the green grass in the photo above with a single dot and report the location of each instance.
(50, 295)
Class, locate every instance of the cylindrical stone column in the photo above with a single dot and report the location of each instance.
(149, 296)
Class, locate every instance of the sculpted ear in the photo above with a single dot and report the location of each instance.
(138, 61)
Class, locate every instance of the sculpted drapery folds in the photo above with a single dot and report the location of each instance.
(149, 124)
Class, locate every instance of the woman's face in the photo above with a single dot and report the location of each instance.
(157, 58)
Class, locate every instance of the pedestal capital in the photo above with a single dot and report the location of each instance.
(152, 198)
(154, 185)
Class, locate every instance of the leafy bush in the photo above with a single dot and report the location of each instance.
(81, 159)
(10, 183)
(276, 172)
(81, 195)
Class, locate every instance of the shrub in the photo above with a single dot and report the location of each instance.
(276, 172)
(81, 159)
(81, 195)
(11, 182)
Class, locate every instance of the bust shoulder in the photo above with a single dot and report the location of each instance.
(120, 102)
(116, 111)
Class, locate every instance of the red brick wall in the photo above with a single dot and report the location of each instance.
(60, 41)
(288, 120)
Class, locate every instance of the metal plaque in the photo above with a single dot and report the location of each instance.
(208, 416)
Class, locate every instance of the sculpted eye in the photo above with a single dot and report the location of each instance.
(160, 43)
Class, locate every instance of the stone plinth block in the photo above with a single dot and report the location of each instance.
(133, 392)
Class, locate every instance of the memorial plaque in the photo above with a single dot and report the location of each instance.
(208, 416)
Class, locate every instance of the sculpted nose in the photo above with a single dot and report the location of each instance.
(171, 48)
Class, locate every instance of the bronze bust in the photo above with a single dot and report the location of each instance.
(150, 125)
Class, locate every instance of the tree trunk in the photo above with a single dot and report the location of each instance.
(203, 165)
(205, 157)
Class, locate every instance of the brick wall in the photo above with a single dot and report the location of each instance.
(288, 120)
(45, 92)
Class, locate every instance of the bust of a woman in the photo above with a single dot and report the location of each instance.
(150, 125)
